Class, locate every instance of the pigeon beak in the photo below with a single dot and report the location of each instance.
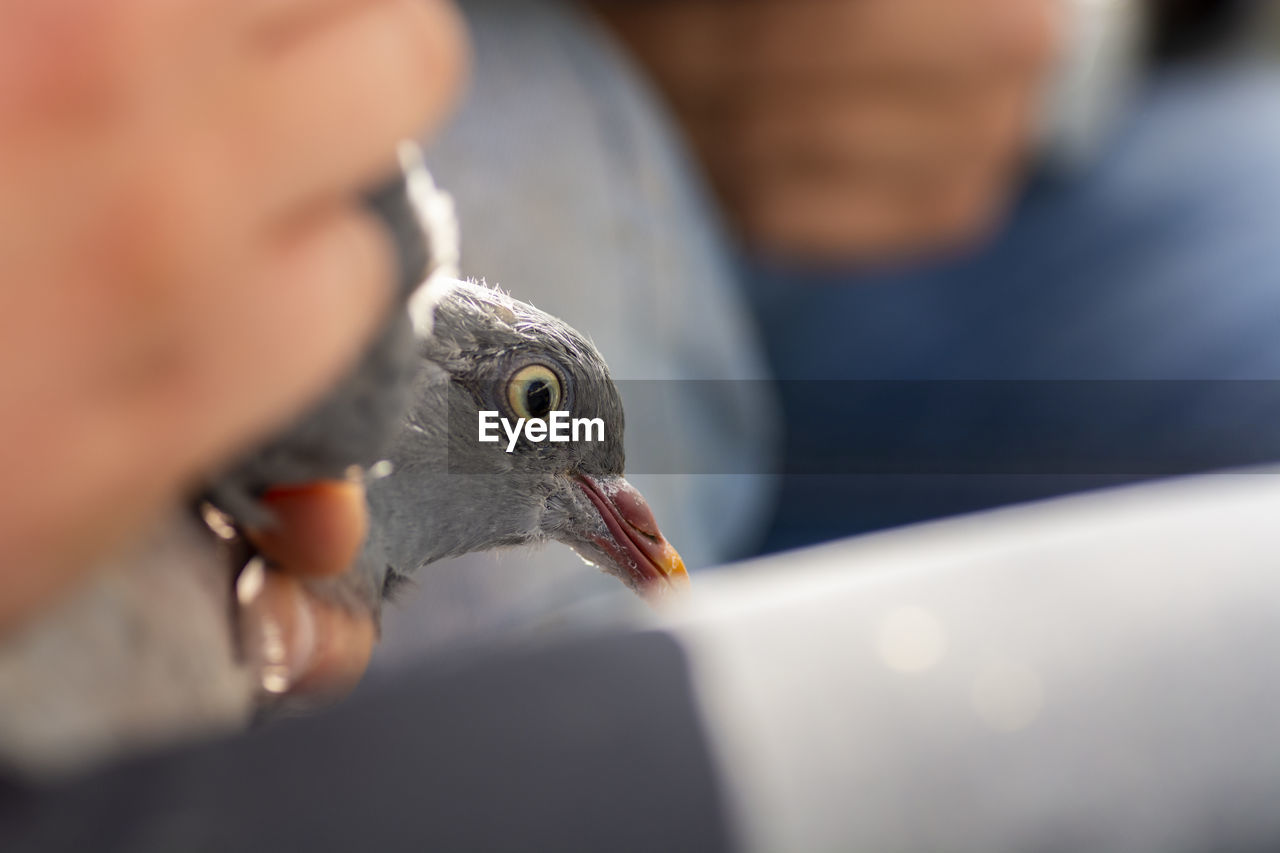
(644, 559)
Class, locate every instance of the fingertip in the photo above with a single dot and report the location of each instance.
(301, 644)
(344, 646)
(320, 527)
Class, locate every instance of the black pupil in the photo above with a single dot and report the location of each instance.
(537, 398)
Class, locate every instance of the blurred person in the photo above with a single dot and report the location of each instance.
(186, 263)
(904, 181)
(1035, 192)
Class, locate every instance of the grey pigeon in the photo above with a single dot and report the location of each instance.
(448, 351)
(146, 653)
(448, 493)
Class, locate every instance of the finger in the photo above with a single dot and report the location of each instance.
(319, 528)
(297, 641)
(330, 104)
(344, 647)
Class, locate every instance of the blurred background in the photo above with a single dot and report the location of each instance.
(861, 264)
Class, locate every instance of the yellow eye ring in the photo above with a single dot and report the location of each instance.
(534, 391)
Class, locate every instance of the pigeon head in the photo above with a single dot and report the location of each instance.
(549, 466)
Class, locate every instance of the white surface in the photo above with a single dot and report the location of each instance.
(1092, 673)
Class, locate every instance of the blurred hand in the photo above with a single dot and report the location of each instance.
(319, 647)
(851, 129)
(184, 262)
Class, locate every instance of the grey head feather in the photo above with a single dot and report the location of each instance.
(448, 494)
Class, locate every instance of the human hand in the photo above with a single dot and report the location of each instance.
(302, 643)
(852, 129)
(184, 259)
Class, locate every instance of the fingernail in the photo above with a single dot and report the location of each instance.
(218, 521)
(279, 628)
(287, 649)
(274, 673)
(251, 581)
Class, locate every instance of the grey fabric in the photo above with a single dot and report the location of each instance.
(587, 746)
(574, 195)
(141, 655)
(1093, 673)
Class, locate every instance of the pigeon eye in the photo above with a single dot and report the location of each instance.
(534, 391)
